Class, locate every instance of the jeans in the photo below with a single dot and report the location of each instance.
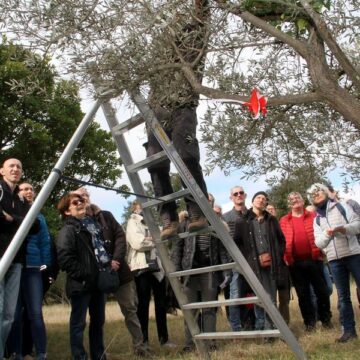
(180, 126)
(199, 289)
(341, 270)
(28, 328)
(262, 320)
(32, 289)
(127, 299)
(145, 283)
(9, 291)
(238, 314)
(305, 273)
(95, 301)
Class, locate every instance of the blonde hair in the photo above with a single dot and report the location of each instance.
(183, 215)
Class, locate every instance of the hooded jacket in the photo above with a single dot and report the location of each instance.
(136, 232)
(339, 245)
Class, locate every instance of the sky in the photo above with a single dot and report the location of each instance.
(217, 183)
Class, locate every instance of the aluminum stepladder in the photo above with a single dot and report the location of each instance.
(217, 228)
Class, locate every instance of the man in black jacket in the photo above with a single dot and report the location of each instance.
(12, 212)
(261, 241)
(240, 316)
(126, 295)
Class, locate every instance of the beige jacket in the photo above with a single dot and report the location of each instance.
(136, 232)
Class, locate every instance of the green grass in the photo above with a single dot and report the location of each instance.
(319, 345)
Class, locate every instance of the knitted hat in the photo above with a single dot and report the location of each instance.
(260, 193)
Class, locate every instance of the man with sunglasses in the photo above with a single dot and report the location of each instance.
(240, 316)
(305, 262)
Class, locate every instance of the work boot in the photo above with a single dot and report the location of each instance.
(347, 336)
(170, 227)
(197, 219)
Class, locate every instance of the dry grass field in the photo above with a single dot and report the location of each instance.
(319, 345)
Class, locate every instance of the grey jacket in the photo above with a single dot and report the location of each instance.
(183, 253)
(340, 245)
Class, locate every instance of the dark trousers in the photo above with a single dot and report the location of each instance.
(95, 302)
(180, 126)
(199, 288)
(305, 273)
(145, 284)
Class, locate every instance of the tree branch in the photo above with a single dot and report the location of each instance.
(298, 45)
(212, 93)
(325, 34)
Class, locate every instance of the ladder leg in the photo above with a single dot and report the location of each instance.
(46, 190)
(154, 229)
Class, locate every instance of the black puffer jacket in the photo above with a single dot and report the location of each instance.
(17, 207)
(115, 241)
(245, 240)
(76, 257)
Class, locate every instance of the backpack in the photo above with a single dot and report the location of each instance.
(343, 214)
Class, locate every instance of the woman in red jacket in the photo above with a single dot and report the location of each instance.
(305, 262)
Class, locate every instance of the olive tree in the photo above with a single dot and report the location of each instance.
(301, 54)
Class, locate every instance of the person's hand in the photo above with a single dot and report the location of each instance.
(226, 282)
(8, 217)
(148, 238)
(115, 265)
(336, 229)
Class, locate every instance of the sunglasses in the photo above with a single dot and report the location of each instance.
(238, 193)
(77, 202)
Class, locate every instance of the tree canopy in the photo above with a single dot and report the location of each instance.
(302, 54)
(38, 121)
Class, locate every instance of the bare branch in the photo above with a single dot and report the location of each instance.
(326, 35)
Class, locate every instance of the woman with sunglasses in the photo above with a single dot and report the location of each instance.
(80, 251)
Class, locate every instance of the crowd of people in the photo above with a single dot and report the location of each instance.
(309, 248)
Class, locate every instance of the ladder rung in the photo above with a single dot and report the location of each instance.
(217, 303)
(238, 334)
(151, 160)
(166, 198)
(203, 270)
(128, 124)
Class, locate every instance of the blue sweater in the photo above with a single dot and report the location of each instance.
(38, 250)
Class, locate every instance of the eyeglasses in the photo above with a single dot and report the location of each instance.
(316, 193)
(238, 193)
(77, 202)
